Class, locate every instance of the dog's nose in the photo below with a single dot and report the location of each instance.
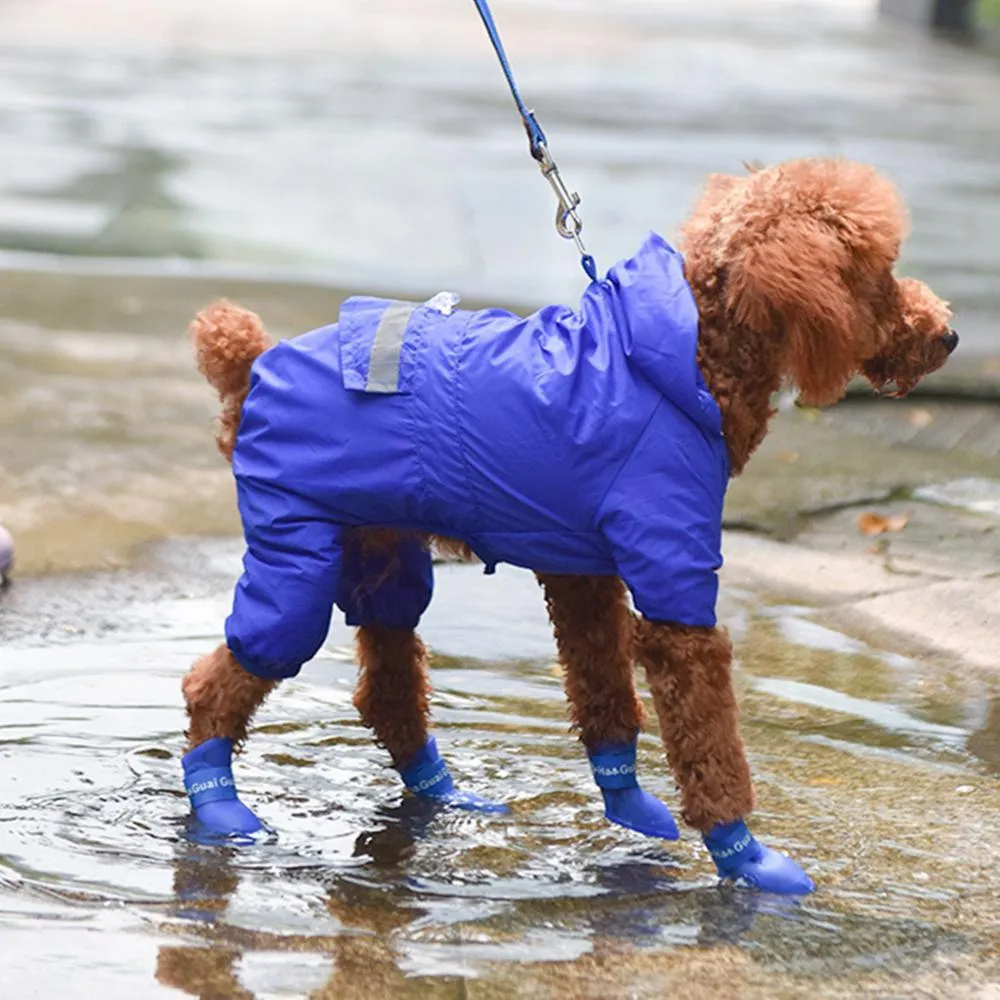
(950, 340)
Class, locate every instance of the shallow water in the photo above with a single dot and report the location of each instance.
(881, 776)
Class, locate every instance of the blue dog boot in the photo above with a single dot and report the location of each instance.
(625, 803)
(427, 776)
(742, 858)
(208, 779)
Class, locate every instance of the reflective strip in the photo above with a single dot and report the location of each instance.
(383, 364)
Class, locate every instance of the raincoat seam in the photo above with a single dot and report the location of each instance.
(461, 414)
(414, 343)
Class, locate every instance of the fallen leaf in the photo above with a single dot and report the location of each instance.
(871, 523)
(920, 418)
(788, 457)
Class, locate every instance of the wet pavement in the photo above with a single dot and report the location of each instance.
(287, 155)
(373, 145)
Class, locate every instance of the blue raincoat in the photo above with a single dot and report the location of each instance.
(567, 442)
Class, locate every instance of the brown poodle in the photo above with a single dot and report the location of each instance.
(667, 374)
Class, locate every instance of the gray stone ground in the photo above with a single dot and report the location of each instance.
(931, 462)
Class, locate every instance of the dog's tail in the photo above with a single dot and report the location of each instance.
(227, 340)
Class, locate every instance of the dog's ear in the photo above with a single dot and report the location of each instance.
(795, 282)
(807, 249)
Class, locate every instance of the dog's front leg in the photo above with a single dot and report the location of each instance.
(221, 699)
(690, 676)
(593, 630)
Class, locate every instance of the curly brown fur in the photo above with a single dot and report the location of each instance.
(221, 698)
(393, 691)
(916, 346)
(227, 340)
(385, 542)
(453, 548)
(593, 630)
(690, 677)
(791, 269)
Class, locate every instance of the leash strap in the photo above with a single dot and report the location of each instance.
(569, 224)
(536, 137)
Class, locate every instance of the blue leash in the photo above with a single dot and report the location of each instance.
(569, 225)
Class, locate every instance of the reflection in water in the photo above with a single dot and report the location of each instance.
(388, 945)
(882, 786)
(383, 942)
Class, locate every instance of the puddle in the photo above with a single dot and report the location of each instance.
(887, 794)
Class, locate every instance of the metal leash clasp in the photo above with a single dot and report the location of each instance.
(569, 225)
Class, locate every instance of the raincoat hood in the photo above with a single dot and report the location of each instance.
(658, 324)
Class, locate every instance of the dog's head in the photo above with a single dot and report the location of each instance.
(800, 256)
(920, 343)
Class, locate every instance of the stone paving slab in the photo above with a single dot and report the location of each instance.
(953, 621)
(811, 462)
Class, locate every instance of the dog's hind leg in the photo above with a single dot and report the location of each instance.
(593, 629)
(385, 588)
(393, 691)
(690, 676)
(221, 699)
